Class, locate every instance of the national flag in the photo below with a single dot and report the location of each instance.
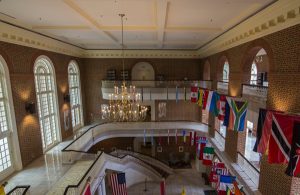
(225, 181)
(238, 111)
(201, 145)
(228, 191)
(208, 154)
(195, 137)
(183, 191)
(194, 93)
(200, 97)
(221, 107)
(263, 137)
(87, 189)
(208, 100)
(168, 136)
(191, 138)
(237, 190)
(204, 99)
(281, 138)
(184, 137)
(163, 187)
(184, 91)
(227, 114)
(217, 169)
(293, 168)
(176, 93)
(118, 183)
(215, 98)
(260, 123)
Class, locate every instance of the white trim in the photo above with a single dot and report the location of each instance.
(55, 99)
(14, 140)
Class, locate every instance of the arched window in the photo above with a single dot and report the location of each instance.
(253, 79)
(9, 144)
(226, 72)
(75, 95)
(45, 87)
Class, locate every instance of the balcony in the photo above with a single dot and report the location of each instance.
(157, 90)
(222, 87)
(257, 93)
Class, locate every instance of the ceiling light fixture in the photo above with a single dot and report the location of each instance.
(124, 105)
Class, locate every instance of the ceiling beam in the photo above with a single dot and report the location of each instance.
(92, 23)
(161, 18)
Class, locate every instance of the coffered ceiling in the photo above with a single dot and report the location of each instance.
(149, 24)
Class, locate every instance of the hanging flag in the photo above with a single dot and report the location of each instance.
(208, 154)
(208, 100)
(176, 93)
(144, 137)
(204, 99)
(162, 187)
(260, 123)
(194, 93)
(227, 114)
(225, 180)
(184, 137)
(237, 190)
(281, 138)
(87, 189)
(228, 191)
(215, 98)
(217, 169)
(184, 90)
(293, 168)
(191, 138)
(238, 111)
(201, 145)
(183, 191)
(221, 107)
(168, 136)
(176, 136)
(195, 137)
(200, 97)
(118, 183)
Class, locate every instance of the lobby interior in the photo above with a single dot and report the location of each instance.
(61, 59)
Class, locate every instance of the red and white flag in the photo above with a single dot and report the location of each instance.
(87, 190)
(194, 94)
(163, 187)
(118, 184)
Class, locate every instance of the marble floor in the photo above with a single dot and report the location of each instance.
(42, 173)
(190, 179)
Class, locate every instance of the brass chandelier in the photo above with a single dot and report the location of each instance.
(124, 105)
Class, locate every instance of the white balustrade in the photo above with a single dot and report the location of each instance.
(222, 87)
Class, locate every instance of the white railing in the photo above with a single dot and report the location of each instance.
(219, 140)
(99, 132)
(154, 162)
(222, 87)
(157, 90)
(104, 161)
(255, 91)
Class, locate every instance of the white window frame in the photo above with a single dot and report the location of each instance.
(225, 76)
(11, 134)
(76, 124)
(55, 128)
(253, 78)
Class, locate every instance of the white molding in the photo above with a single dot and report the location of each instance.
(278, 16)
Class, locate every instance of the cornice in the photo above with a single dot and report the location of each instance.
(278, 16)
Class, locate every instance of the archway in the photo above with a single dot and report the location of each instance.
(142, 71)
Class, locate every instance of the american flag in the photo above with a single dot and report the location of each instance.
(118, 183)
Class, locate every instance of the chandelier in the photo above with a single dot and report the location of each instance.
(124, 105)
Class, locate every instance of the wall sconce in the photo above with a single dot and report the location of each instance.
(66, 98)
(30, 107)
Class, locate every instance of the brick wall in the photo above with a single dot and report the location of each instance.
(20, 61)
(283, 50)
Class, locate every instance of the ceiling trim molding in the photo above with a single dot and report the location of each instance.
(278, 16)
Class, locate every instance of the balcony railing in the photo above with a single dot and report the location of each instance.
(158, 90)
(222, 87)
(255, 91)
(20, 190)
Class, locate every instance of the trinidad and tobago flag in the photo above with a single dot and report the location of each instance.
(293, 168)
